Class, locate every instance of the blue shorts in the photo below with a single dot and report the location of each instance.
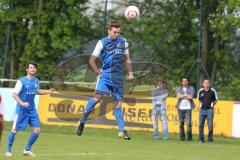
(105, 87)
(21, 121)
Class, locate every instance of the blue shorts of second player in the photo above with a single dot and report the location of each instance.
(21, 121)
(105, 86)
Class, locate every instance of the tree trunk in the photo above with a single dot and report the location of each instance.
(205, 52)
(40, 3)
(13, 59)
(215, 60)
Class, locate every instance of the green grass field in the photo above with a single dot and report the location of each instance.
(61, 143)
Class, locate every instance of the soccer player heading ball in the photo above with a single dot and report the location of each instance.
(113, 50)
(24, 92)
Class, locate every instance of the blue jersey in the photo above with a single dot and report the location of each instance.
(27, 89)
(112, 52)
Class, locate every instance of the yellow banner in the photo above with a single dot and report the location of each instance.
(67, 110)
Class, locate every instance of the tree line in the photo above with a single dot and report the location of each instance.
(198, 38)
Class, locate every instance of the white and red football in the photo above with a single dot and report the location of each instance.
(132, 12)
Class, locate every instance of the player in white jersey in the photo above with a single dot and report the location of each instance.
(26, 114)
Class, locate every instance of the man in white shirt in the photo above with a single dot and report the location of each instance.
(185, 104)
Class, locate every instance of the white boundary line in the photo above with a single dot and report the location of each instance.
(64, 82)
(71, 154)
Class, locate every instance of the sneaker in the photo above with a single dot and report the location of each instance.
(156, 137)
(8, 154)
(200, 142)
(120, 135)
(210, 142)
(28, 153)
(79, 129)
(124, 135)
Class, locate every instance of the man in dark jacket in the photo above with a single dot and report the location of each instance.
(208, 98)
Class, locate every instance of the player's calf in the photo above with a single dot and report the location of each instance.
(11, 138)
(32, 139)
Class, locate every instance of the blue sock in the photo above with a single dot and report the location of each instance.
(89, 108)
(32, 139)
(10, 141)
(119, 118)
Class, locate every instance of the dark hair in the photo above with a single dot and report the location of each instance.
(114, 23)
(206, 79)
(32, 62)
(185, 77)
(160, 80)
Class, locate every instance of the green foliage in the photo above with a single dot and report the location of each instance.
(171, 33)
(167, 32)
(46, 30)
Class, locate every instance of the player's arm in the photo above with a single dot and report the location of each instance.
(19, 101)
(128, 62)
(45, 91)
(94, 56)
(93, 64)
(129, 67)
(16, 91)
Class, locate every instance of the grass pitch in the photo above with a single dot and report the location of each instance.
(61, 143)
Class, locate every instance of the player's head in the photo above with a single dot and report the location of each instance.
(206, 83)
(31, 67)
(160, 83)
(185, 81)
(113, 29)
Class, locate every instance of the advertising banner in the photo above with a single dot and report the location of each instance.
(67, 109)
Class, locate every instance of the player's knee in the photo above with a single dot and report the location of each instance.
(14, 131)
(97, 97)
(117, 104)
(37, 130)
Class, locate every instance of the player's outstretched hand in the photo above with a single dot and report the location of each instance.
(24, 104)
(51, 91)
(130, 77)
